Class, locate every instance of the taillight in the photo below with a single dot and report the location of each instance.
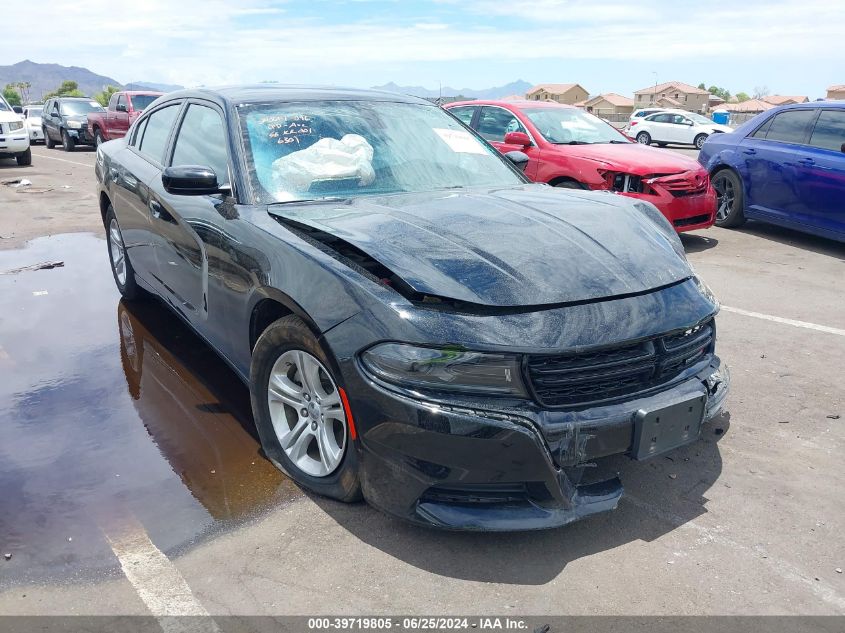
(633, 123)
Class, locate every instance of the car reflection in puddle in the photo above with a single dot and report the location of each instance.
(104, 418)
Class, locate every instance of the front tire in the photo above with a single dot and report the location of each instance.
(24, 158)
(644, 138)
(300, 413)
(698, 141)
(568, 184)
(730, 199)
(121, 268)
(50, 143)
(68, 144)
(98, 138)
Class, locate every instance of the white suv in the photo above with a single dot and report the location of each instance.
(14, 139)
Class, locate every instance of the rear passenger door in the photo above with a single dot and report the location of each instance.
(659, 127)
(200, 139)
(774, 162)
(138, 166)
(822, 183)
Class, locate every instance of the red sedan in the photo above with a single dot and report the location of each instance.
(568, 147)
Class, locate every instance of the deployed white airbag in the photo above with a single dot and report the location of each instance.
(327, 159)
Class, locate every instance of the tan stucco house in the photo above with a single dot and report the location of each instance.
(836, 92)
(562, 93)
(673, 94)
(607, 104)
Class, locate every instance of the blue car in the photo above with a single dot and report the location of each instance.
(785, 166)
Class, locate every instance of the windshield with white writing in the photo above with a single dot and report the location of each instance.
(570, 126)
(329, 149)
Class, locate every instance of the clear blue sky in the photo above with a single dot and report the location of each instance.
(788, 46)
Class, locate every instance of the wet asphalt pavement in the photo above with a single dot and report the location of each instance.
(112, 410)
(115, 417)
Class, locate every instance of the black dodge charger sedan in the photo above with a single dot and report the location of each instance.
(417, 324)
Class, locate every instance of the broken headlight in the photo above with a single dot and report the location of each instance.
(445, 369)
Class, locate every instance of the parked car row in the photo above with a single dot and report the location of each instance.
(72, 121)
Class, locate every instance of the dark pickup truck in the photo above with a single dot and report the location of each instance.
(124, 108)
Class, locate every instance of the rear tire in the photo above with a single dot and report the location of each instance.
(321, 454)
(730, 199)
(698, 141)
(98, 138)
(121, 267)
(68, 144)
(50, 143)
(25, 158)
(644, 138)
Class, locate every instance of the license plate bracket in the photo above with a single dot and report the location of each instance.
(666, 428)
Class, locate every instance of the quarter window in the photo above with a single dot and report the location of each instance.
(202, 141)
(829, 132)
(790, 126)
(157, 130)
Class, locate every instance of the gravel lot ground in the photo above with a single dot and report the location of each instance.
(131, 480)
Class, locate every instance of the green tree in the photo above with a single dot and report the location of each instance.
(741, 96)
(701, 86)
(11, 95)
(724, 93)
(103, 97)
(67, 89)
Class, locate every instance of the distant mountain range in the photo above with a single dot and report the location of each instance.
(47, 77)
(146, 85)
(518, 87)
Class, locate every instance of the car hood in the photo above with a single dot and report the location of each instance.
(524, 246)
(632, 158)
(7, 116)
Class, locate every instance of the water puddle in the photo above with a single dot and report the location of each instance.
(109, 410)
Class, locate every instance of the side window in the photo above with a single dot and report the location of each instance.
(113, 101)
(829, 132)
(464, 114)
(138, 134)
(121, 100)
(494, 123)
(157, 130)
(761, 131)
(56, 108)
(202, 141)
(790, 126)
(661, 118)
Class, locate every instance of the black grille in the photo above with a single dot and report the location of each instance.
(610, 373)
(476, 494)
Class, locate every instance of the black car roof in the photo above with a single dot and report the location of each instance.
(262, 93)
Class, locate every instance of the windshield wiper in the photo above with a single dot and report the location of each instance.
(574, 143)
(615, 142)
(307, 201)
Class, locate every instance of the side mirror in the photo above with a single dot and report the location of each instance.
(190, 180)
(519, 159)
(121, 107)
(17, 109)
(518, 138)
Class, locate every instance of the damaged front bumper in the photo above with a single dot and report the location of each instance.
(478, 468)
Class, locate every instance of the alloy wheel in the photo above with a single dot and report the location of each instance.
(307, 413)
(117, 252)
(725, 196)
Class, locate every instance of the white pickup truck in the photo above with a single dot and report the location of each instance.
(14, 138)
